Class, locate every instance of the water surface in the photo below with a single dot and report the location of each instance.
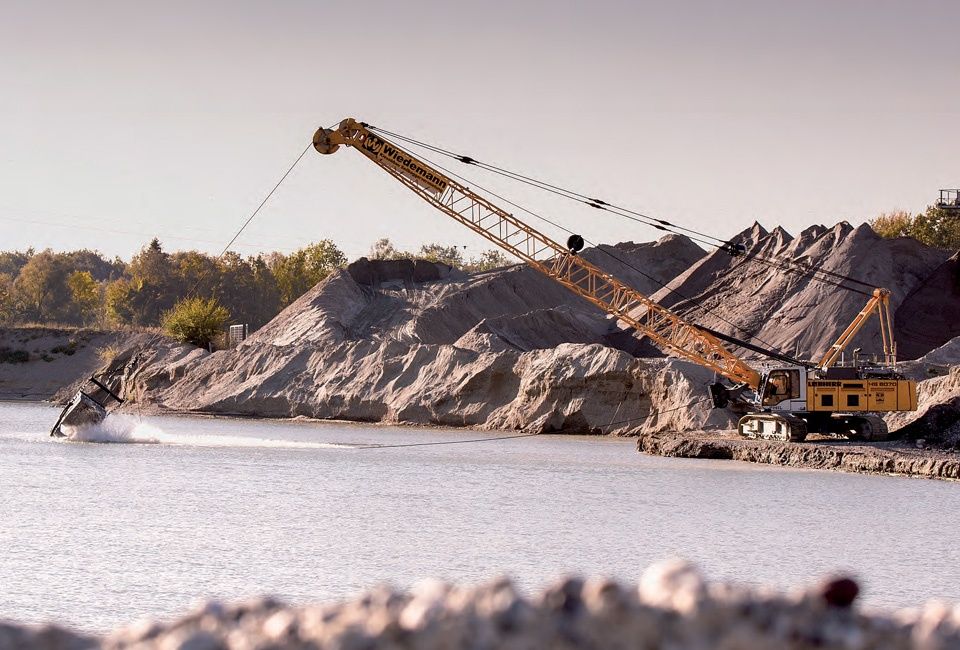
(96, 535)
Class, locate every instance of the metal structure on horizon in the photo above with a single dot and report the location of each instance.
(949, 201)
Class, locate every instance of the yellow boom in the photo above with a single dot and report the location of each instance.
(879, 302)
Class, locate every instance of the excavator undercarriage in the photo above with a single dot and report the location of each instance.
(792, 427)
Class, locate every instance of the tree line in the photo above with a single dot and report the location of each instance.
(84, 288)
(934, 227)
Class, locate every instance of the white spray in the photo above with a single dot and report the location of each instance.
(122, 428)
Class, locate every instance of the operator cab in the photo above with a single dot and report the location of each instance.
(949, 202)
(784, 389)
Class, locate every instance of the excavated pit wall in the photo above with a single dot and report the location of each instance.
(672, 607)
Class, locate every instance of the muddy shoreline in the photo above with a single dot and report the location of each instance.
(891, 458)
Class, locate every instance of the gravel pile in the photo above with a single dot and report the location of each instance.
(673, 607)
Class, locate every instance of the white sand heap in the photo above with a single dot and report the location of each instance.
(673, 607)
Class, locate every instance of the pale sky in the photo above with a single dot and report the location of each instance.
(124, 120)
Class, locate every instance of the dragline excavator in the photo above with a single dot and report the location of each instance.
(786, 402)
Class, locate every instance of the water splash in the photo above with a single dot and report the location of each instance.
(127, 429)
(116, 428)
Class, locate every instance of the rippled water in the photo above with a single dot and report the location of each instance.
(95, 535)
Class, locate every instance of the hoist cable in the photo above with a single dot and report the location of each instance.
(192, 292)
(604, 251)
(633, 215)
(251, 217)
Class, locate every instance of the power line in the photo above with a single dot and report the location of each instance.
(138, 234)
(652, 413)
(446, 442)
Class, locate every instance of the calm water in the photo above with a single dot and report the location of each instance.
(96, 535)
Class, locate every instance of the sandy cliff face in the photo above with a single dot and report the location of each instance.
(511, 349)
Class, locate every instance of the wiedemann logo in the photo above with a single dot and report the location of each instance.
(406, 164)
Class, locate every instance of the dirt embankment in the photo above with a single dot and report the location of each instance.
(889, 458)
(37, 362)
(672, 607)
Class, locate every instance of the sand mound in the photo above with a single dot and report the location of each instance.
(791, 312)
(507, 349)
(937, 418)
(937, 299)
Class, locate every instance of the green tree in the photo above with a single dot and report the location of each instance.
(892, 224)
(935, 227)
(12, 261)
(265, 303)
(118, 302)
(195, 320)
(488, 260)
(100, 268)
(85, 293)
(298, 272)
(193, 272)
(449, 255)
(153, 283)
(7, 304)
(383, 249)
(119, 298)
(40, 288)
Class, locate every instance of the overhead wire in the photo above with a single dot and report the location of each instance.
(205, 272)
(606, 252)
(654, 222)
(250, 218)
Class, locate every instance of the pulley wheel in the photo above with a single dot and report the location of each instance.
(321, 141)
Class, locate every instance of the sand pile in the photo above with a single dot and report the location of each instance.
(936, 422)
(37, 361)
(937, 299)
(417, 342)
(791, 312)
(673, 607)
(508, 349)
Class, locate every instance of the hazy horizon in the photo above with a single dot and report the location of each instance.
(126, 122)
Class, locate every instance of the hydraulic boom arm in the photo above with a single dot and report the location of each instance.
(666, 329)
(879, 302)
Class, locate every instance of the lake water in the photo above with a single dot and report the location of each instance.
(96, 535)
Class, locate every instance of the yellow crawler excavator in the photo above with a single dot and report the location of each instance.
(787, 402)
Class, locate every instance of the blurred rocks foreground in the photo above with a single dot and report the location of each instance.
(673, 607)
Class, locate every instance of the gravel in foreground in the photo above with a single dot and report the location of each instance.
(673, 607)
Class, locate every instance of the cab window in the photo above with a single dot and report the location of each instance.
(781, 385)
